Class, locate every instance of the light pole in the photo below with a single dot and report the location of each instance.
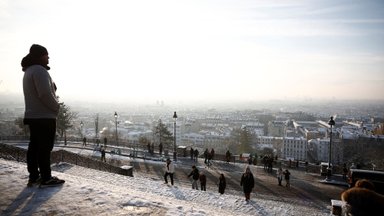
(65, 129)
(174, 135)
(81, 129)
(116, 128)
(329, 169)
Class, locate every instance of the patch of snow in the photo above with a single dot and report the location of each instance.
(93, 192)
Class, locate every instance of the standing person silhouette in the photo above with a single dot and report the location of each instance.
(41, 111)
(287, 175)
(247, 182)
(222, 184)
(280, 174)
(203, 181)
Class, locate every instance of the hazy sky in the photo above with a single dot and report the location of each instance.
(152, 50)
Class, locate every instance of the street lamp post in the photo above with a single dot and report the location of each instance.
(65, 130)
(116, 128)
(81, 129)
(329, 169)
(174, 135)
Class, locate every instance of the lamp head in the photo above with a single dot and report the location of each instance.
(174, 115)
(331, 122)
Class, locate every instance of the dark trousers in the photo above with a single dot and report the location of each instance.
(42, 138)
(247, 196)
(166, 177)
(203, 186)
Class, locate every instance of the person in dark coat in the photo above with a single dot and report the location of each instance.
(192, 152)
(206, 156)
(247, 182)
(222, 184)
(103, 154)
(195, 177)
(287, 175)
(228, 156)
(203, 181)
(196, 155)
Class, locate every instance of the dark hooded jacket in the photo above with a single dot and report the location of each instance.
(248, 182)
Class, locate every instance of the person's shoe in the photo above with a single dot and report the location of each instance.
(54, 181)
(33, 182)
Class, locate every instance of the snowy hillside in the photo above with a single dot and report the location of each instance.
(91, 192)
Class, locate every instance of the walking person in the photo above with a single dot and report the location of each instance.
(206, 156)
(222, 184)
(103, 154)
(203, 181)
(195, 177)
(192, 152)
(247, 182)
(196, 152)
(280, 176)
(169, 170)
(228, 156)
(41, 111)
(287, 177)
(84, 141)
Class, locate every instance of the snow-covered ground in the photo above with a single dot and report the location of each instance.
(92, 192)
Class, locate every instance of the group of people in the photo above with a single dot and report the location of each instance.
(151, 148)
(200, 176)
(286, 174)
(268, 163)
(247, 181)
(208, 156)
(196, 175)
(194, 154)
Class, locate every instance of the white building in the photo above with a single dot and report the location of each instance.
(318, 149)
(276, 143)
(192, 139)
(295, 148)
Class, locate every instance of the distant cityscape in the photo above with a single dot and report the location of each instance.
(291, 130)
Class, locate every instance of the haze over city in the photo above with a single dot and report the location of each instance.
(144, 51)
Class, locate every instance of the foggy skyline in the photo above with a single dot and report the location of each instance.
(190, 51)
